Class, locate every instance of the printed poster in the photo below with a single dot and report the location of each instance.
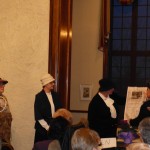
(135, 98)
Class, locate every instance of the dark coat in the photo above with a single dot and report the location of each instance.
(100, 119)
(42, 110)
(142, 114)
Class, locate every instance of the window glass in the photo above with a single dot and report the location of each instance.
(129, 48)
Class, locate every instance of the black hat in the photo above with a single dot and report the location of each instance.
(106, 84)
(3, 81)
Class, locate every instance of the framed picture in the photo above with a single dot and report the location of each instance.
(85, 91)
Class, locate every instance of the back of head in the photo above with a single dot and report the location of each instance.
(85, 138)
(65, 114)
(54, 145)
(138, 146)
(144, 129)
(106, 84)
(58, 126)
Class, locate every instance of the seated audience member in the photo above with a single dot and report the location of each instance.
(62, 127)
(66, 142)
(144, 130)
(144, 110)
(56, 132)
(62, 119)
(138, 146)
(85, 139)
(58, 128)
(65, 114)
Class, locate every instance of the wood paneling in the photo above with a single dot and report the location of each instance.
(60, 46)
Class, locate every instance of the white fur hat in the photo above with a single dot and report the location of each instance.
(47, 78)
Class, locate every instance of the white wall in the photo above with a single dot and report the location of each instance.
(87, 60)
(24, 26)
(24, 33)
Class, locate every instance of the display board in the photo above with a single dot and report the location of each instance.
(135, 98)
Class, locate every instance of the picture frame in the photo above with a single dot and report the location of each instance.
(85, 91)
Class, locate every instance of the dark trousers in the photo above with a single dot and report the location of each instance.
(40, 135)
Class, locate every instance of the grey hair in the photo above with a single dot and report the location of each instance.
(138, 146)
(144, 129)
(85, 139)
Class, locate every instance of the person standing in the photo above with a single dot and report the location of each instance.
(102, 110)
(5, 114)
(46, 103)
(144, 110)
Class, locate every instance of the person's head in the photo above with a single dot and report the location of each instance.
(85, 138)
(144, 129)
(65, 114)
(47, 82)
(138, 146)
(58, 127)
(106, 87)
(2, 85)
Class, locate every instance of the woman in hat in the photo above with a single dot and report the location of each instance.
(102, 111)
(46, 103)
(5, 114)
